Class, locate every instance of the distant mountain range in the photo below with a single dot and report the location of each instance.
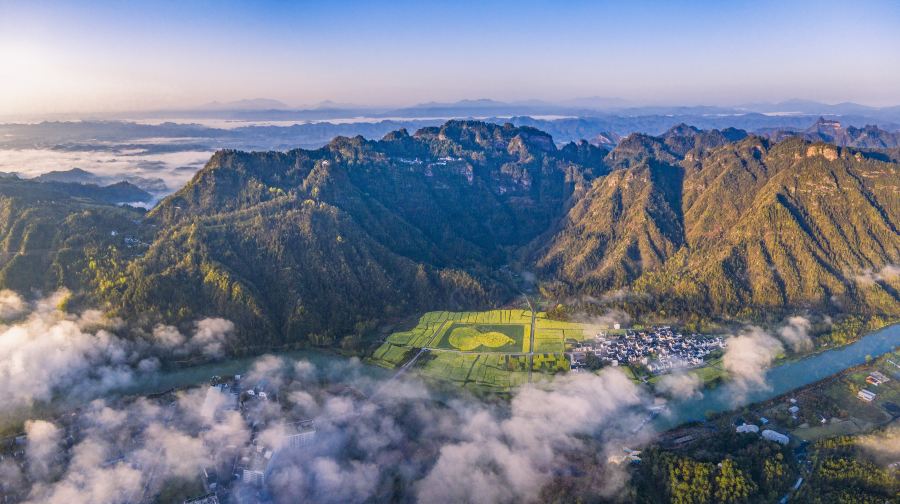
(607, 130)
(267, 109)
(250, 104)
(832, 131)
(79, 176)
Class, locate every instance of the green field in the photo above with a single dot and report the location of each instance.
(481, 350)
(551, 335)
(390, 356)
(491, 349)
(502, 338)
(432, 327)
(484, 371)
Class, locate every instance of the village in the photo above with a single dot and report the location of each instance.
(661, 349)
(238, 472)
(249, 465)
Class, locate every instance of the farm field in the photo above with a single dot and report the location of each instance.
(552, 335)
(432, 327)
(486, 351)
(505, 338)
(481, 372)
(710, 372)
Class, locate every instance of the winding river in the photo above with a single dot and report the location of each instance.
(781, 379)
(786, 377)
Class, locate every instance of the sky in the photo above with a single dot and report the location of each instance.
(98, 56)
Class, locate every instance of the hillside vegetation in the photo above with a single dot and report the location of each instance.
(321, 246)
(737, 228)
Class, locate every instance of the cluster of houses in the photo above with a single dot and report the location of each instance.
(661, 349)
(767, 434)
(251, 464)
(875, 378)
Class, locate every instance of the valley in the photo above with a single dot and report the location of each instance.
(502, 252)
(472, 269)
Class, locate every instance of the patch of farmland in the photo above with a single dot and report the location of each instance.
(483, 337)
(483, 372)
(549, 340)
(483, 351)
(568, 330)
(390, 356)
(449, 366)
(550, 362)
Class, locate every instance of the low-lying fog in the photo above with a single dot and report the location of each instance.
(383, 438)
(173, 168)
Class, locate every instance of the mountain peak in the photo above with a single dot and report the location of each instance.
(681, 130)
(821, 121)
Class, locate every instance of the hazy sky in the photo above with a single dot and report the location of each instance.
(102, 56)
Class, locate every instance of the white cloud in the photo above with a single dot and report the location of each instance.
(368, 433)
(43, 449)
(680, 385)
(747, 357)
(887, 273)
(167, 336)
(508, 460)
(210, 335)
(883, 446)
(49, 351)
(167, 166)
(11, 304)
(796, 334)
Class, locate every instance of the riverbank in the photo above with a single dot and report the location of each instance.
(782, 379)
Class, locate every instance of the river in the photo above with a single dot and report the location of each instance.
(781, 379)
(784, 378)
(195, 375)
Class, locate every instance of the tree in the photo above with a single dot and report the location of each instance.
(689, 481)
(732, 485)
(592, 362)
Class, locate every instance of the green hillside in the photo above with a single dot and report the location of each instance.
(322, 246)
(738, 229)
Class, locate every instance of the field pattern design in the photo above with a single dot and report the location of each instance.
(503, 338)
(484, 351)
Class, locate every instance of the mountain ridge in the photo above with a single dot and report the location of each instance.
(321, 246)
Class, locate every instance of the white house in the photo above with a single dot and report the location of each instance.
(777, 437)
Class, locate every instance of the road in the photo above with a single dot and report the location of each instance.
(400, 372)
(411, 362)
(531, 342)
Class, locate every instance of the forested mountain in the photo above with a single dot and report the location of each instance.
(319, 246)
(52, 234)
(743, 226)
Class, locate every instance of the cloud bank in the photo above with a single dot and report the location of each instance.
(373, 436)
(45, 350)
